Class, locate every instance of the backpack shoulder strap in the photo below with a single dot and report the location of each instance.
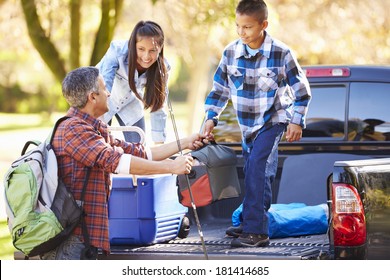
(60, 120)
(83, 225)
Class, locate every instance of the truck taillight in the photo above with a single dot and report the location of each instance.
(349, 224)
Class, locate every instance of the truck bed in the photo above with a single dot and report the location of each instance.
(216, 218)
(218, 247)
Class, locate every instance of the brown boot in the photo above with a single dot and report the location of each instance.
(250, 240)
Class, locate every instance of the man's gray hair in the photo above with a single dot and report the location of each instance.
(78, 84)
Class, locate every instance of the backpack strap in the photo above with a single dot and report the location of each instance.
(83, 224)
(28, 143)
(60, 120)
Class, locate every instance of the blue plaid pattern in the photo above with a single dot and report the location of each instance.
(265, 89)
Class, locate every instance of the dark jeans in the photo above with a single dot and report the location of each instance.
(260, 169)
(131, 136)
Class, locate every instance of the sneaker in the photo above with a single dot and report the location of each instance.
(250, 240)
(234, 231)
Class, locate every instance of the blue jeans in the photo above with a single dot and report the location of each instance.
(130, 136)
(260, 168)
(70, 249)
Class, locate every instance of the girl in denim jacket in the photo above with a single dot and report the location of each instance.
(136, 74)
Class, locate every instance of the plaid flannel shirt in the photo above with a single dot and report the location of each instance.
(81, 142)
(265, 89)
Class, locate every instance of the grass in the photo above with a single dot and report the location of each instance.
(6, 247)
(16, 129)
(11, 122)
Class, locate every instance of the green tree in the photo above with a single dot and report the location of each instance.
(320, 32)
(45, 45)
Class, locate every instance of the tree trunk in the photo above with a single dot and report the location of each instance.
(41, 42)
(111, 10)
(75, 16)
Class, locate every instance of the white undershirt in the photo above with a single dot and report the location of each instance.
(125, 162)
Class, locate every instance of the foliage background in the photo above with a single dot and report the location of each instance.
(35, 55)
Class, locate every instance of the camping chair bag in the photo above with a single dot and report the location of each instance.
(213, 178)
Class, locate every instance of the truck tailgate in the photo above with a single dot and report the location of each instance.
(218, 247)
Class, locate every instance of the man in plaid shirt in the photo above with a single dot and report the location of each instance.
(270, 95)
(83, 141)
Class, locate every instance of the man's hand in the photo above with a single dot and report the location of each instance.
(181, 164)
(294, 132)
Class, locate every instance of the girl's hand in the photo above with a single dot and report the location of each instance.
(181, 164)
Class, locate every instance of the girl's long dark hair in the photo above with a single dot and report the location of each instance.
(156, 74)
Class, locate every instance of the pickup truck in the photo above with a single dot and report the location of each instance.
(343, 160)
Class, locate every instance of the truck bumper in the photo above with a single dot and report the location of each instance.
(351, 253)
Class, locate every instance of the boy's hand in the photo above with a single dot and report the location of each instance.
(197, 141)
(294, 132)
(208, 128)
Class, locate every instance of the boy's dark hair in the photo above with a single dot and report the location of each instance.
(256, 8)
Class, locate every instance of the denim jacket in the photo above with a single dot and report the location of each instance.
(114, 68)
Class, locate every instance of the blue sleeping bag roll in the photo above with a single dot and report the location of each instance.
(293, 219)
